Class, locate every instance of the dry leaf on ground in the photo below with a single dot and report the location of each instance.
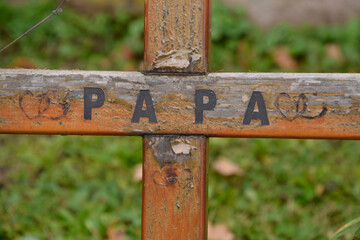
(227, 168)
(219, 232)
(283, 59)
(115, 234)
(319, 190)
(334, 52)
(23, 62)
(137, 177)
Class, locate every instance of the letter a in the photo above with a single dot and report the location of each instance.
(144, 95)
(256, 98)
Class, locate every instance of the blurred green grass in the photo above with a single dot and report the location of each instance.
(114, 41)
(77, 187)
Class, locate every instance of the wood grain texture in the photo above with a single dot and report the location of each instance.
(51, 102)
(175, 184)
(174, 188)
(176, 36)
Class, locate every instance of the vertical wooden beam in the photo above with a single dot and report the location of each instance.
(177, 36)
(175, 167)
(174, 188)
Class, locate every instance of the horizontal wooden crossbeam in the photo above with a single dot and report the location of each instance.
(273, 105)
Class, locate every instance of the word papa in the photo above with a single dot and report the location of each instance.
(144, 97)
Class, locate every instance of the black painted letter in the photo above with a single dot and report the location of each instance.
(200, 106)
(89, 104)
(144, 95)
(262, 115)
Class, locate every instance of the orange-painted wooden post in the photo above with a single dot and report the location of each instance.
(177, 36)
(174, 187)
(175, 167)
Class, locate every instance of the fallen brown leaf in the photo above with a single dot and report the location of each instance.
(334, 52)
(283, 58)
(137, 177)
(219, 232)
(115, 234)
(127, 53)
(227, 168)
(319, 190)
(23, 62)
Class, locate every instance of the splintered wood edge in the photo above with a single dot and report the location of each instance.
(177, 36)
(272, 105)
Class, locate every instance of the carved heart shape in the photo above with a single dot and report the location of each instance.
(171, 175)
(291, 108)
(57, 106)
(31, 105)
(47, 105)
(168, 176)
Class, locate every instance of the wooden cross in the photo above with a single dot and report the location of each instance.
(175, 104)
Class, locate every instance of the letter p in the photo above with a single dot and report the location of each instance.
(89, 104)
(200, 106)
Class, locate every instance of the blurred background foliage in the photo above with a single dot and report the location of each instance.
(113, 40)
(83, 187)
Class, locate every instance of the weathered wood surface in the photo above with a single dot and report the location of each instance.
(176, 36)
(174, 188)
(298, 105)
(175, 171)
